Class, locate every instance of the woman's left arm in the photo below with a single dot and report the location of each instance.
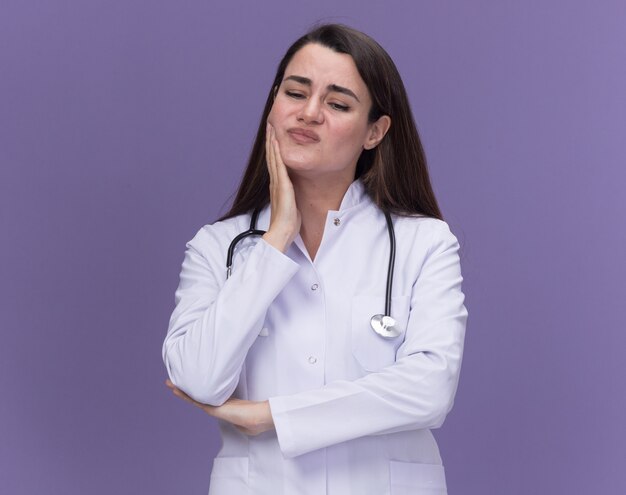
(417, 391)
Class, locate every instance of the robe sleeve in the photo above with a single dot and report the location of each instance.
(215, 320)
(416, 391)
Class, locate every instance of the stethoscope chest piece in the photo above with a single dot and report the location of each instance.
(385, 326)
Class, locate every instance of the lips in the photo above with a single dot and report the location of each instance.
(303, 135)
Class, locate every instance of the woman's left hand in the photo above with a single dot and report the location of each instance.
(249, 417)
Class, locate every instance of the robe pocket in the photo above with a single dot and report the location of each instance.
(372, 351)
(229, 475)
(412, 478)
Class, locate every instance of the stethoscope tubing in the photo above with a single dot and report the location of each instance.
(392, 262)
(250, 232)
(379, 322)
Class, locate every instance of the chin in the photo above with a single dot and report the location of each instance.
(297, 167)
(298, 161)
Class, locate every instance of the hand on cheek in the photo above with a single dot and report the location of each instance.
(285, 218)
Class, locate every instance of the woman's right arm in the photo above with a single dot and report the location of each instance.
(215, 321)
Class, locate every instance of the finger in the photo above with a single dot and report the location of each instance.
(182, 395)
(171, 386)
(174, 388)
(276, 150)
(269, 153)
(281, 169)
(267, 143)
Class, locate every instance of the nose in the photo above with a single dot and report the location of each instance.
(311, 111)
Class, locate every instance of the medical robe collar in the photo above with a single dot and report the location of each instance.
(355, 198)
(354, 195)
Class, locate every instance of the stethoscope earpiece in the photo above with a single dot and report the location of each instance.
(385, 326)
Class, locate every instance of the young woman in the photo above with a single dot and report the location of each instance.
(335, 344)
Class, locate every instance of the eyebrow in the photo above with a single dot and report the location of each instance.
(331, 87)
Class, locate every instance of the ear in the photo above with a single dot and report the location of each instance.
(377, 131)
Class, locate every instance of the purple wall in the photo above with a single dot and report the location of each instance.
(124, 126)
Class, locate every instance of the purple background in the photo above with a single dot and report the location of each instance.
(124, 127)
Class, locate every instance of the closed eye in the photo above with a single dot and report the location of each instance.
(294, 94)
(338, 106)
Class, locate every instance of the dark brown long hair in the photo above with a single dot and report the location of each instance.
(394, 173)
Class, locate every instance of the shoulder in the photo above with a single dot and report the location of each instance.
(423, 227)
(424, 237)
(218, 235)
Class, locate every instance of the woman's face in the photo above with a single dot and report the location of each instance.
(320, 114)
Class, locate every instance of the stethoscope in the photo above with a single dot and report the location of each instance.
(384, 325)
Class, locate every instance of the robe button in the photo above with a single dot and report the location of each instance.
(314, 287)
(312, 359)
(337, 222)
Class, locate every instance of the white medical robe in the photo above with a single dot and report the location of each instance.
(352, 410)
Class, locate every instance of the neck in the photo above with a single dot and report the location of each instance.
(314, 199)
(319, 196)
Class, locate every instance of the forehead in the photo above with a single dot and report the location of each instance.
(325, 67)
